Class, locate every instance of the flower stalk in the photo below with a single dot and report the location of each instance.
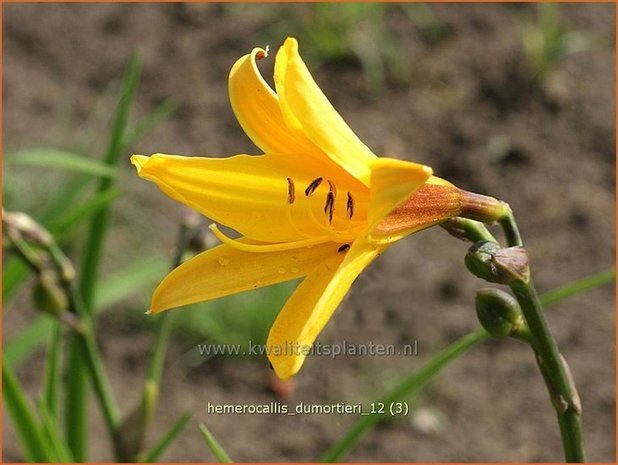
(50, 259)
(510, 266)
(555, 371)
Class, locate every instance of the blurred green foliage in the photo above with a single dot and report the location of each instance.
(546, 39)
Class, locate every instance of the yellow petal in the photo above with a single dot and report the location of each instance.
(250, 194)
(311, 306)
(306, 108)
(256, 107)
(224, 270)
(392, 182)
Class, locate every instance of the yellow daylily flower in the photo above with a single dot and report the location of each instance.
(318, 204)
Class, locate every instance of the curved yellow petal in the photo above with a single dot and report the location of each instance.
(311, 306)
(249, 193)
(392, 182)
(224, 270)
(305, 107)
(256, 107)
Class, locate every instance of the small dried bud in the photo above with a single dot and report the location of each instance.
(488, 261)
(26, 227)
(48, 294)
(498, 312)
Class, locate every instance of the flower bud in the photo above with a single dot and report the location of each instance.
(48, 295)
(488, 261)
(498, 312)
(482, 207)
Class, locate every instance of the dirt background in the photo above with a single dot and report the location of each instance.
(467, 107)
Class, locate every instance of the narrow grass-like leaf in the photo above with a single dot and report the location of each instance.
(214, 446)
(420, 378)
(24, 419)
(69, 161)
(51, 381)
(51, 431)
(14, 271)
(138, 275)
(27, 341)
(99, 222)
(404, 389)
(62, 224)
(146, 124)
(578, 287)
(77, 399)
(167, 439)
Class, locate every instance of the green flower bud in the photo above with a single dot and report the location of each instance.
(479, 260)
(48, 295)
(498, 312)
(488, 261)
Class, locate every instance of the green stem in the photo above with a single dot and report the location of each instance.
(511, 231)
(76, 398)
(559, 383)
(552, 365)
(471, 230)
(51, 381)
(94, 364)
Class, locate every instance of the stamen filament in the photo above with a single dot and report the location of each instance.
(278, 247)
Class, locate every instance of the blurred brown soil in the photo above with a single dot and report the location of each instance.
(468, 110)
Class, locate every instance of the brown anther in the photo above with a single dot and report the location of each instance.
(350, 206)
(313, 186)
(291, 192)
(329, 207)
(344, 248)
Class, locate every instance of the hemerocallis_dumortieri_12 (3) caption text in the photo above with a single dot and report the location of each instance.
(318, 204)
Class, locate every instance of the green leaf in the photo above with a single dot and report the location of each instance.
(62, 224)
(51, 431)
(167, 439)
(214, 446)
(402, 391)
(28, 340)
(148, 123)
(139, 275)
(24, 419)
(99, 222)
(14, 271)
(77, 405)
(69, 161)
(578, 287)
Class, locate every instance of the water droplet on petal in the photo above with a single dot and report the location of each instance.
(294, 270)
(224, 261)
(281, 271)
